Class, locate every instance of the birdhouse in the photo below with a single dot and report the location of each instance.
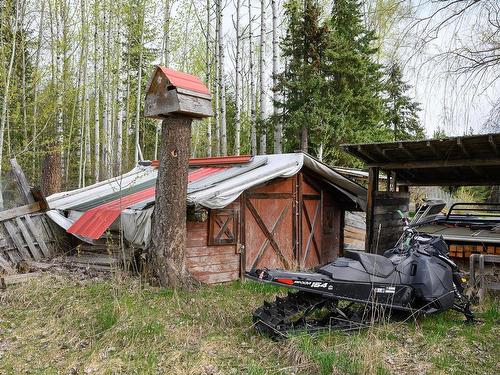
(170, 92)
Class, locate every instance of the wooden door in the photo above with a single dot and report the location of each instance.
(269, 227)
(310, 254)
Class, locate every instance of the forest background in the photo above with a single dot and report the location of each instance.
(285, 75)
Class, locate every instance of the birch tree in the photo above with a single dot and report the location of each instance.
(262, 80)
(97, 130)
(237, 117)
(277, 124)
(217, 77)
(208, 73)
(253, 102)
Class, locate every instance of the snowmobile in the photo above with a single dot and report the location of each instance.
(415, 277)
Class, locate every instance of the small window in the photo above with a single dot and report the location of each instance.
(222, 227)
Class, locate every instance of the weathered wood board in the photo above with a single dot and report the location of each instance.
(29, 237)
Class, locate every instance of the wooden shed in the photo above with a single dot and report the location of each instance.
(275, 211)
(457, 161)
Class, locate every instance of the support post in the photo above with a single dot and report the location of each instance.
(373, 182)
(169, 221)
(176, 98)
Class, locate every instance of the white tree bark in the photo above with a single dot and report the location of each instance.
(105, 97)
(138, 153)
(120, 109)
(217, 76)
(165, 58)
(262, 83)
(97, 130)
(35, 89)
(277, 124)
(253, 101)
(237, 119)
(207, 76)
(222, 81)
(167, 9)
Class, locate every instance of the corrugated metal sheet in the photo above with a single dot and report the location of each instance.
(210, 186)
(185, 81)
(93, 223)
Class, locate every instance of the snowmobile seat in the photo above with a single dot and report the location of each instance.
(374, 264)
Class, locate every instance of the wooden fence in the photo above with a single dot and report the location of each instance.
(29, 237)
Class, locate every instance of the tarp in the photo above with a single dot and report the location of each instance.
(212, 190)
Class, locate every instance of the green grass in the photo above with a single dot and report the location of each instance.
(51, 326)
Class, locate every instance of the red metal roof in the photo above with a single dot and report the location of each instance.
(185, 81)
(215, 160)
(94, 222)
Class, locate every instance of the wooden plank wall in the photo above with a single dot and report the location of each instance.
(331, 224)
(354, 231)
(28, 237)
(210, 264)
(387, 224)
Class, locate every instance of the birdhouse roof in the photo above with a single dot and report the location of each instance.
(184, 80)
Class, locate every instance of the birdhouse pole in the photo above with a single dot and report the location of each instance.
(176, 98)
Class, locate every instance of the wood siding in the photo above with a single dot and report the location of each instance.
(387, 224)
(211, 264)
(354, 231)
(291, 223)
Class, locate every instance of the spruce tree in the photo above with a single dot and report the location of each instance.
(331, 87)
(401, 110)
(302, 82)
(354, 80)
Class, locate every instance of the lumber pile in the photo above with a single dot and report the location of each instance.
(465, 250)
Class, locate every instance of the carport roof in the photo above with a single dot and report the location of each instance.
(457, 161)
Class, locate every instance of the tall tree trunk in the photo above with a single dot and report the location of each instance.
(253, 102)
(34, 138)
(119, 96)
(51, 172)
(237, 120)
(84, 119)
(128, 118)
(52, 163)
(217, 76)
(3, 118)
(262, 83)
(222, 81)
(169, 216)
(138, 153)
(87, 159)
(207, 77)
(304, 140)
(23, 52)
(166, 33)
(277, 124)
(62, 66)
(105, 93)
(97, 130)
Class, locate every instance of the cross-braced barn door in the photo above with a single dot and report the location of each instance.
(311, 208)
(268, 228)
